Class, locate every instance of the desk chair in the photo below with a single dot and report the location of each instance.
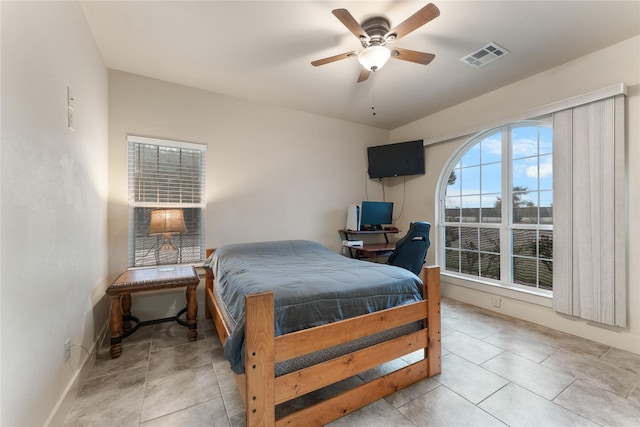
(411, 250)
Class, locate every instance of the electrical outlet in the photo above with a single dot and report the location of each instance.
(496, 301)
(67, 350)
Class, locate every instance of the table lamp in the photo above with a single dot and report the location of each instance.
(167, 222)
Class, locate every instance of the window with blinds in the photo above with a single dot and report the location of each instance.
(166, 174)
(497, 210)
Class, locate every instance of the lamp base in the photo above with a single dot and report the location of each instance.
(167, 254)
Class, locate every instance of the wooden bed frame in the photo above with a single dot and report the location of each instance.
(261, 390)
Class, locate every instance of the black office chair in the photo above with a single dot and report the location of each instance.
(411, 250)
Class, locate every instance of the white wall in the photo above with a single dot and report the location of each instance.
(272, 173)
(53, 199)
(616, 64)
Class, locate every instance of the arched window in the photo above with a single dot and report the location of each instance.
(496, 207)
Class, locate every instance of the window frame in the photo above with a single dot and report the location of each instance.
(194, 206)
(506, 226)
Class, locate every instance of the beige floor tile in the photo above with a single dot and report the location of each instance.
(443, 407)
(419, 355)
(574, 344)
(446, 330)
(317, 396)
(142, 334)
(207, 414)
(407, 394)
(521, 344)
(233, 403)
(217, 356)
(635, 394)
(169, 334)
(178, 391)
(600, 406)
(121, 417)
(466, 313)
(226, 382)
(622, 359)
(209, 331)
(591, 370)
(134, 355)
(109, 397)
(382, 369)
(467, 379)
(207, 323)
(378, 414)
(474, 328)
(515, 406)
(413, 357)
(238, 421)
(185, 356)
(472, 349)
(534, 377)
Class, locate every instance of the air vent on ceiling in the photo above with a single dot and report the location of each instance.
(483, 56)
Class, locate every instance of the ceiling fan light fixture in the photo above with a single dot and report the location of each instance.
(374, 57)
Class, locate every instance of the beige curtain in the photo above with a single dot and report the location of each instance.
(589, 213)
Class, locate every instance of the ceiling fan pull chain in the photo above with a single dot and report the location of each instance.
(373, 93)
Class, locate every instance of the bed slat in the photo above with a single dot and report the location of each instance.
(323, 374)
(307, 341)
(351, 400)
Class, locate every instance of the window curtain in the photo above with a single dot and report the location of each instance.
(589, 278)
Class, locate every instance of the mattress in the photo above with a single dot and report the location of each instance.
(312, 286)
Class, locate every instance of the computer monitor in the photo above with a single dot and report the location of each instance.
(376, 214)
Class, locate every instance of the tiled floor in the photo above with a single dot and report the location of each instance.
(495, 371)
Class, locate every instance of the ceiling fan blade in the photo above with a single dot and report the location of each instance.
(334, 58)
(349, 21)
(412, 56)
(418, 19)
(364, 74)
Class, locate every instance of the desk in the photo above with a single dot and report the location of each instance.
(149, 279)
(369, 250)
(373, 250)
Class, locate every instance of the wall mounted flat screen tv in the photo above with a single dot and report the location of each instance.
(400, 159)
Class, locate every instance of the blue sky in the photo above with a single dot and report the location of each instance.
(532, 168)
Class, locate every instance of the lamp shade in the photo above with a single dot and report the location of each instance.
(374, 57)
(167, 221)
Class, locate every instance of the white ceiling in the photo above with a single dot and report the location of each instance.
(261, 50)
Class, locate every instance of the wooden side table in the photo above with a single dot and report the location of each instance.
(149, 279)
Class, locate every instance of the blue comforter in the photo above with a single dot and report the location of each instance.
(312, 286)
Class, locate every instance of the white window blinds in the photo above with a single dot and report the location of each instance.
(166, 174)
(589, 213)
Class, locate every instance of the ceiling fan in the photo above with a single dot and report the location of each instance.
(374, 34)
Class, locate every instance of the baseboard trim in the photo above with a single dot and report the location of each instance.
(60, 411)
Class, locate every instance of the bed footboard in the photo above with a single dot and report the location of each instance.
(262, 391)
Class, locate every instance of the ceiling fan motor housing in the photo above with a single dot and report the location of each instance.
(376, 28)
